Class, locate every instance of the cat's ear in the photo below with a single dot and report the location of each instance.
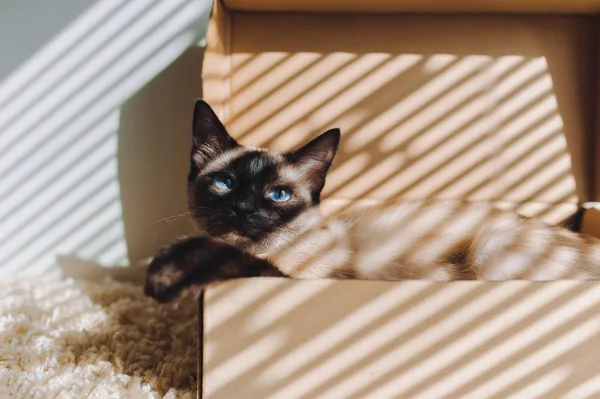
(315, 158)
(210, 138)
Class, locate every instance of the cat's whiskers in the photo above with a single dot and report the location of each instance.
(172, 218)
(214, 224)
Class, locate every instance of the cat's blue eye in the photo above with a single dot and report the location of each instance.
(223, 182)
(279, 194)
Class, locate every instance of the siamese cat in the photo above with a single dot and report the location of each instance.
(260, 210)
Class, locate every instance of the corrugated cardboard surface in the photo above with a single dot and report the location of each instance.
(591, 222)
(594, 137)
(462, 6)
(482, 108)
(272, 338)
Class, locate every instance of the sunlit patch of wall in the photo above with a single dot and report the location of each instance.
(59, 124)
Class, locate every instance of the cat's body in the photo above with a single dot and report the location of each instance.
(261, 212)
(438, 240)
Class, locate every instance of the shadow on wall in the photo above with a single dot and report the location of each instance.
(60, 122)
(153, 156)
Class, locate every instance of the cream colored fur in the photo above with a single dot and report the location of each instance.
(437, 240)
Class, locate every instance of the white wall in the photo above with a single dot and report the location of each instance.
(95, 105)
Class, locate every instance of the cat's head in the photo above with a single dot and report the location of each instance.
(249, 196)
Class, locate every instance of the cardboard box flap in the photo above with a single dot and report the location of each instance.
(591, 222)
(216, 70)
(480, 108)
(462, 6)
(277, 338)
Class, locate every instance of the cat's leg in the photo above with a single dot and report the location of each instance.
(194, 262)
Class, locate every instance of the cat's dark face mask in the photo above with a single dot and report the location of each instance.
(244, 194)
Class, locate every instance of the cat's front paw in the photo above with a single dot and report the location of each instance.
(176, 267)
(194, 262)
(164, 281)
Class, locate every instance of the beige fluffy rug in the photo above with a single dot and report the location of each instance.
(103, 339)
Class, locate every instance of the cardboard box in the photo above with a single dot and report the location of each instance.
(443, 100)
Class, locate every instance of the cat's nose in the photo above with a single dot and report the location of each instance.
(244, 207)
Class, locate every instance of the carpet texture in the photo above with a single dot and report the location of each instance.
(76, 339)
